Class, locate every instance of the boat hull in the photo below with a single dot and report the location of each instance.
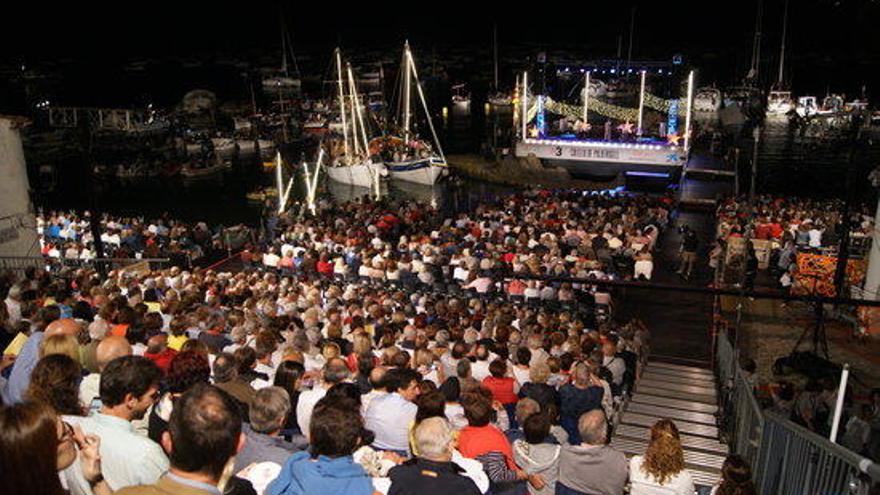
(424, 171)
(361, 174)
(189, 173)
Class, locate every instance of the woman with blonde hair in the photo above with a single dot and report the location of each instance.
(661, 469)
(61, 344)
(361, 346)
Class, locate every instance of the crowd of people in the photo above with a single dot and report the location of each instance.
(792, 225)
(316, 375)
(536, 234)
(68, 236)
(244, 383)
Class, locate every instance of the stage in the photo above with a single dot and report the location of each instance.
(607, 133)
(596, 158)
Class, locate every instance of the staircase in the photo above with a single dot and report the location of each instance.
(687, 396)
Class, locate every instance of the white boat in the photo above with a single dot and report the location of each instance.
(779, 103)
(831, 105)
(267, 146)
(425, 169)
(354, 166)
(421, 170)
(224, 147)
(707, 100)
(193, 148)
(245, 146)
(281, 81)
(807, 106)
(358, 174)
(500, 100)
(460, 96)
(315, 126)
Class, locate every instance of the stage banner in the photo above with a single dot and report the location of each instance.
(815, 274)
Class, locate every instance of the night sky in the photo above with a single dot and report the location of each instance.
(831, 43)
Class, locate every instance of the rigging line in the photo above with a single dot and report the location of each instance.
(427, 112)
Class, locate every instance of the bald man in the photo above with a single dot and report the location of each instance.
(108, 349)
(377, 377)
(27, 359)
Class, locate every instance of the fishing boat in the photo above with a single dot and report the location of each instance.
(352, 164)
(707, 100)
(413, 159)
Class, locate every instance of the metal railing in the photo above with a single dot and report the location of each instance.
(21, 263)
(786, 458)
(798, 461)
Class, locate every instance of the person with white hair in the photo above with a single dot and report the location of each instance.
(433, 471)
(267, 413)
(13, 304)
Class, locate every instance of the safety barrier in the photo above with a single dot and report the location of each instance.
(21, 263)
(786, 458)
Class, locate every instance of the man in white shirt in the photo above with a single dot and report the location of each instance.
(389, 416)
(129, 387)
(335, 371)
(460, 273)
(614, 363)
(480, 368)
(270, 259)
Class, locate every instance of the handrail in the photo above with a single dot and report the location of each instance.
(785, 457)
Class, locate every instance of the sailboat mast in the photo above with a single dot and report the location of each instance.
(425, 106)
(495, 51)
(354, 120)
(283, 48)
(407, 67)
(782, 47)
(756, 46)
(342, 105)
(357, 116)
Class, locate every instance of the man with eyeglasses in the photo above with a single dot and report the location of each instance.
(129, 386)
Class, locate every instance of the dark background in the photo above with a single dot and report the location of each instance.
(833, 45)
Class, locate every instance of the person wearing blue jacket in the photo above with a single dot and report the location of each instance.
(335, 432)
(576, 398)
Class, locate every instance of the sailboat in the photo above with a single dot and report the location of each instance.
(352, 164)
(497, 98)
(779, 100)
(460, 95)
(413, 159)
(282, 81)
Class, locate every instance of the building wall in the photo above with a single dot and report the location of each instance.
(18, 236)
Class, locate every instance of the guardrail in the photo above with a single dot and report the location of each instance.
(21, 263)
(786, 458)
